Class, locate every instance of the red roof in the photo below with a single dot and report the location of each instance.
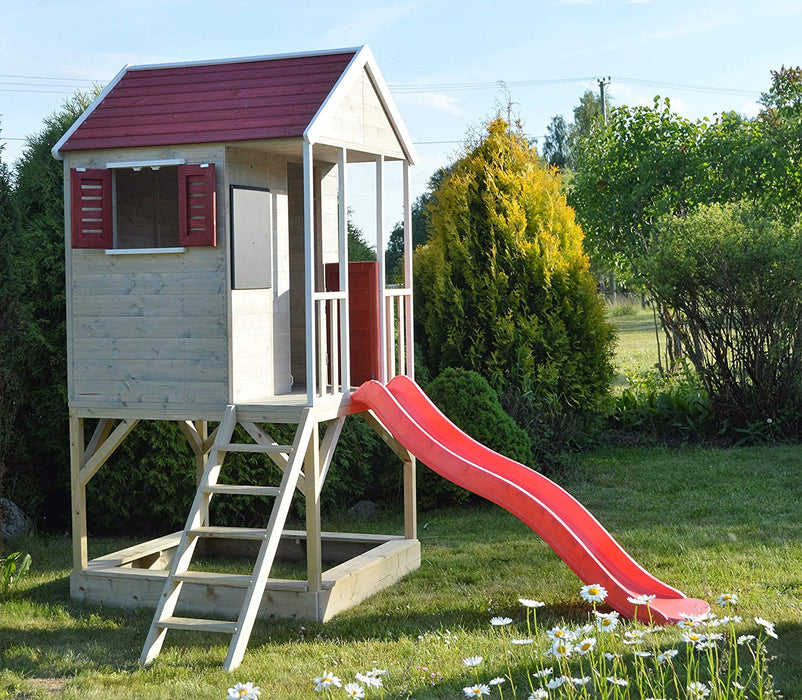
(238, 100)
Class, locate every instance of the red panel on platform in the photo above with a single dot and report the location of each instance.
(363, 317)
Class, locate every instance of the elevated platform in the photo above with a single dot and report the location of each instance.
(360, 565)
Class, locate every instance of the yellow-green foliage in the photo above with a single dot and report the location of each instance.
(503, 283)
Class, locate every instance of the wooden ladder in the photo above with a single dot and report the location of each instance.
(198, 527)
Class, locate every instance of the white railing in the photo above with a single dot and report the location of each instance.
(332, 349)
(397, 345)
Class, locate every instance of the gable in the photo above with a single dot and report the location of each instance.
(360, 121)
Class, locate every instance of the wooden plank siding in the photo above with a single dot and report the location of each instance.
(361, 123)
(148, 330)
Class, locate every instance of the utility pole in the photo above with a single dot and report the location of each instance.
(603, 83)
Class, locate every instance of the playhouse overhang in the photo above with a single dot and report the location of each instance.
(266, 98)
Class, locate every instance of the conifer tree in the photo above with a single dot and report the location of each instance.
(503, 284)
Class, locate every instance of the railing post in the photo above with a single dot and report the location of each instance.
(408, 320)
(380, 260)
(345, 338)
(309, 270)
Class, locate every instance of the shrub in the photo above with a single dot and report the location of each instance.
(472, 404)
(503, 285)
(148, 484)
(734, 280)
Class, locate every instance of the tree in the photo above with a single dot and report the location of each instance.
(503, 285)
(359, 250)
(562, 140)
(41, 439)
(555, 145)
(9, 318)
(394, 255)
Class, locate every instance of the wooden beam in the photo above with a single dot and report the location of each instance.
(327, 447)
(314, 551)
(410, 500)
(193, 436)
(280, 459)
(106, 449)
(102, 430)
(80, 549)
(401, 452)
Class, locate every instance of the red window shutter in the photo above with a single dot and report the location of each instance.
(196, 205)
(90, 204)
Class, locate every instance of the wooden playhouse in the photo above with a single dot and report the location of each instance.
(208, 284)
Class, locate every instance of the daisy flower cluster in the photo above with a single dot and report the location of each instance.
(609, 658)
(328, 682)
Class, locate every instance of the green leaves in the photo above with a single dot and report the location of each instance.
(503, 285)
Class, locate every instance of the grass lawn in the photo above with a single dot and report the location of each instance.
(706, 521)
(637, 342)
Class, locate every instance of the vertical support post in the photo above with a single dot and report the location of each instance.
(202, 427)
(410, 500)
(380, 258)
(312, 488)
(345, 333)
(309, 269)
(201, 458)
(408, 320)
(80, 548)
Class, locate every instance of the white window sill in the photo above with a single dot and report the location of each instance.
(144, 251)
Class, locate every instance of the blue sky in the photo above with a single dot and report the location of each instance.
(442, 59)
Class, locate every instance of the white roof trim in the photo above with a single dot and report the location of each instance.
(363, 59)
(243, 59)
(56, 150)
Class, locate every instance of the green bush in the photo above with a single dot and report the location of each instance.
(734, 281)
(472, 404)
(148, 485)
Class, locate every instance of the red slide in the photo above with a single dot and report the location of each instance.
(554, 514)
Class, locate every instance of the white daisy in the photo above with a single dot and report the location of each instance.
(529, 603)
(354, 690)
(476, 691)
(500, 621)
(586, 645)
(768, 627)
(473, 661)
(727, 599)
(244, 691)
(538, 694)
(667, 655)
(642, 599)
(325, 681)
(698, 690)
(498, 680)
(562, 649)
(521, 642)
(593, 593)
(618, 681)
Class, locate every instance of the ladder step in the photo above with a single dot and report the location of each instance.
(210, 578)
(197, 624)
(244, 447)
(230, 533)
(243, 490)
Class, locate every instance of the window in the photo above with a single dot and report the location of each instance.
(143, 206)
